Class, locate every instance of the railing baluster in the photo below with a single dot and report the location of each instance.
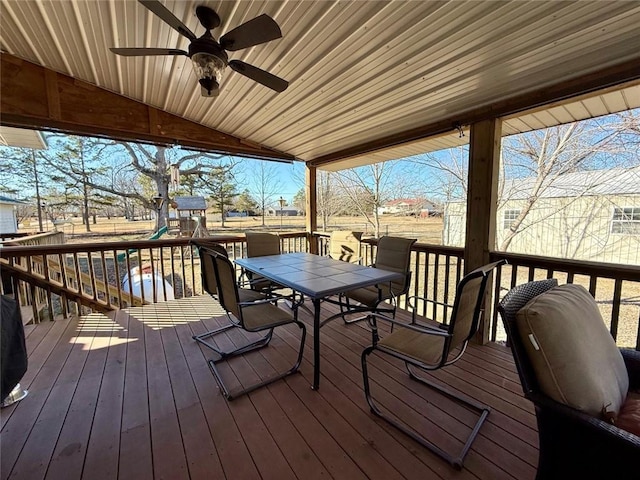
(436, 271)
(173, 268)
(116, 270)
(615, 307)
(593, 284)
(184, 275)
(154, 288)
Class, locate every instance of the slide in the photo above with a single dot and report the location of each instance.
(155, 236)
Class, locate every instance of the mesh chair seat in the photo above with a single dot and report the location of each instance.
(425, 348)
(248, 295)
(369, 296)
(263, 316)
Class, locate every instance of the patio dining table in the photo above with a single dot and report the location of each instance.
(316, 278)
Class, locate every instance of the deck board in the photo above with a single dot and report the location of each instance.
(134, 399)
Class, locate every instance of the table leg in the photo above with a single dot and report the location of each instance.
(316, 344)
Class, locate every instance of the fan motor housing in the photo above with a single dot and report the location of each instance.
(210, 46)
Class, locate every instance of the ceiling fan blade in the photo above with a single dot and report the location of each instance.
(214, 93)
(254, 32)
(254, 73)
(169, 18)
(136, 52)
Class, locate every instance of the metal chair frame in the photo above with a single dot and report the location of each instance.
(206, 252)
(446, 332)
(228, 295)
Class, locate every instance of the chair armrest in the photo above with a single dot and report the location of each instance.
(632, 362)
(263, 301)
(414, 315)
(411, 326)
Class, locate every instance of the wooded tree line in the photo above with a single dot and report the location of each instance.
(91, 176)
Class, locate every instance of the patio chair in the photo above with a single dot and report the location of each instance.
(207, 251)
(260, 244)
(586, 391)
(252, 316)
(393, 254)
(430, 346)
(345, 245)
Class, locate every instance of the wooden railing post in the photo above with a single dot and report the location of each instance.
(482, 203)
(311, 213)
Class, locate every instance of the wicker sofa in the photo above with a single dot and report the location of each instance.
(575, 441)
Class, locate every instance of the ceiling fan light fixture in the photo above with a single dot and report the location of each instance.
(206, 65)
(210, 85)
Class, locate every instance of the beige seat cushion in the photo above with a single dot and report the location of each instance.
(575, 359)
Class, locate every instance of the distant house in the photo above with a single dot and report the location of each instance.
(410, 206)
(593, 215)
(285, 212)
(8, 218)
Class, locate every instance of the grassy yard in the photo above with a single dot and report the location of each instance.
(426, 230)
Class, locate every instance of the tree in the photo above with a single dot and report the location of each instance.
(21, 172)
(542, 157)
(75, 160)
(265, 183)
(245, 203)
(300, 200)
(546, 155)
(219, 183)
(124, 166)
(366, 189)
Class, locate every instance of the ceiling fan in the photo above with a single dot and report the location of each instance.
(209, 57)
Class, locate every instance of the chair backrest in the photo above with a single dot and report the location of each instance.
(512, 302)
(207, 269)
(465, 317)
(345, 245)
(260, 244)
(394, 254)
(226, 286)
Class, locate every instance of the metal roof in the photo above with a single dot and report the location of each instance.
(10, 201)
(191, 203)
(20, 137)
(358, 71)
(616, 181)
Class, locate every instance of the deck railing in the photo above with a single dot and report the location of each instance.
(92, 275)
(436, 271)
(615, 287)
(62, 278)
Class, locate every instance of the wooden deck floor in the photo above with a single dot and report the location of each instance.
(133, 398)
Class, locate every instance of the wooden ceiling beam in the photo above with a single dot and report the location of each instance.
(38, 98)
(608, 77)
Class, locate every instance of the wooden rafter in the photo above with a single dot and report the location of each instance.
(38, 98)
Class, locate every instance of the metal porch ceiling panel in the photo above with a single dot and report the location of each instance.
(357, 70)
(597, 104)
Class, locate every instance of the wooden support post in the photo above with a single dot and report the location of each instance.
(311, 216)
(482, 202)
